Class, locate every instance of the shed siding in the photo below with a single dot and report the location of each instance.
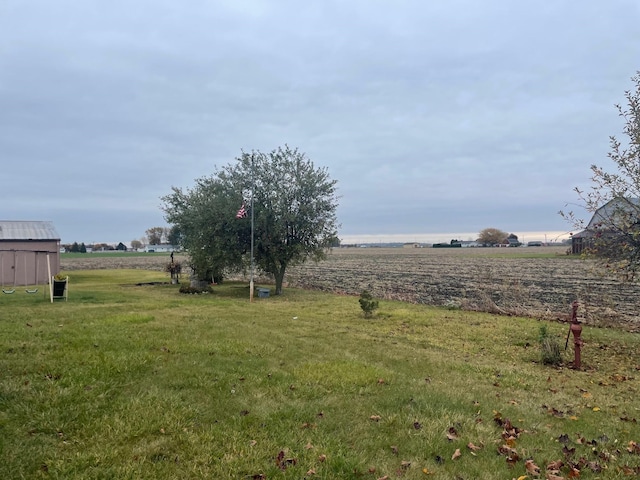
(27, 249)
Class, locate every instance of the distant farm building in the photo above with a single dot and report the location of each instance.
(602, 221)
(29, 252)
(161, 248)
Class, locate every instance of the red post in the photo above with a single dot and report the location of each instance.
(576, 330)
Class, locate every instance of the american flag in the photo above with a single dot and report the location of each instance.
(242, 212)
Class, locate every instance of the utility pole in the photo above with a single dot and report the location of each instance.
(253, 186)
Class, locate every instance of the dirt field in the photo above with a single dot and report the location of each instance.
(506, 281)
(105, 262)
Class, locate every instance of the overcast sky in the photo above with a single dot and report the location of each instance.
(433, 116)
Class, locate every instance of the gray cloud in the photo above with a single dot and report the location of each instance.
(433, 116)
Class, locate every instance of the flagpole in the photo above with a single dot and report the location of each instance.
(253, 183)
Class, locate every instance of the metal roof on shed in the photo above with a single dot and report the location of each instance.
(27, 230)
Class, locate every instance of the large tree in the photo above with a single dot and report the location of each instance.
(204, 223)
(613, 233)
(154, 235)
(294, 213)
(492, 236)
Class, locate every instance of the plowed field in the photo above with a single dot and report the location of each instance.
(537, 282)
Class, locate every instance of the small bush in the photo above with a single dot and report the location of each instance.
(368, 304)
(550, 352)
(193, 290)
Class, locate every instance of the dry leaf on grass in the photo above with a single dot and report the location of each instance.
(531, 467)
(472, 447)
(557, 465)
(554, 476)
(452, 434)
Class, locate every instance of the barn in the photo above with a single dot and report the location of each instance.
(29, 252)
(604, 220)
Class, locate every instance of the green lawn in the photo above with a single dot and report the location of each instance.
(141, 382)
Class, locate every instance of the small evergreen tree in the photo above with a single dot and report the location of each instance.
(368, 304)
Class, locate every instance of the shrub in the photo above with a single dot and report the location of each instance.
(368, 304)
(193, 290)
(550, 352)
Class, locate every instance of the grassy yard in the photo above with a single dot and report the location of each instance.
(141, 382)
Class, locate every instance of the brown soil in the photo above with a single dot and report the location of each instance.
(499, 280)
(104, 262)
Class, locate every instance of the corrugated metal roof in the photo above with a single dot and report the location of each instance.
(27, 230)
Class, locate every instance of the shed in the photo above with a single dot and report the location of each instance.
(604, 218)
(28, 249)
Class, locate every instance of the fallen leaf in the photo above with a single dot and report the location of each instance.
(507, 451)
(452, 434)
(596, 409)
(394, 449)
(557, 465)
(574, 473)
(322, 458)
(595, 467)
(283, 462)
(405, 464)
(386, 477)
(308, 446)
(375, 418)
(457, 454)
(553, 476)
(531, 467)
(472, 447)
(511, 441)
(311, 472)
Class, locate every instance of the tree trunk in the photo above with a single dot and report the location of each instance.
(279, 276)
